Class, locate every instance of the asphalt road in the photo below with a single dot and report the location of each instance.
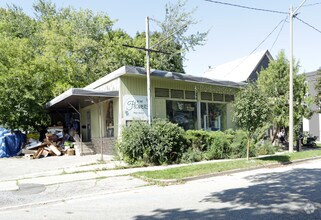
(288, 192)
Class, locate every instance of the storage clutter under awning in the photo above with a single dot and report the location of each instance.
(56, 143)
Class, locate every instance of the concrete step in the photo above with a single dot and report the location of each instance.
(84, 148)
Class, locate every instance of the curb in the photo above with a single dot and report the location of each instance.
(166, 182)
(272, 165)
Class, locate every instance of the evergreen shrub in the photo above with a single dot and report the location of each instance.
(161, 143)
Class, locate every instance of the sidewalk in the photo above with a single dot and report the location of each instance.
(64, 169)
(76, 178)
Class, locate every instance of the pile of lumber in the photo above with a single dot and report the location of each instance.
(50, 147)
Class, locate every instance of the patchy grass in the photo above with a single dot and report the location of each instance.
(94, 163)
(216, 167)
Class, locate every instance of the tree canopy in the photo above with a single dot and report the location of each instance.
(251, 111)
(274, 83)
(317, 98)
(60, 48)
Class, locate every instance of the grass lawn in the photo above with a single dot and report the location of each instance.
(215, 167)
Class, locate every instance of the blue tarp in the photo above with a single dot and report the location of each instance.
(10, 144)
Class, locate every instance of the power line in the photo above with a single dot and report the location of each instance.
(312, 4)
(268, 36)
(247, 7)
(144, 49)
(308, 24)
(256, 47)
(277, 37)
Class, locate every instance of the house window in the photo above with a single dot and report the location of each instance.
(182, 113)
(177, 94)
(206, 96)
(229, 98)
(190, 95)
(160, 92)
(218, 97)
(213, 116)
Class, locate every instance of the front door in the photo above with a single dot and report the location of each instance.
(88, 126)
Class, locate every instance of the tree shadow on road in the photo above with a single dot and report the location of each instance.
(293, 194)
(283, 159)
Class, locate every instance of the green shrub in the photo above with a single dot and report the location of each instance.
(198, 139)
(163, 142)
(219, 146)
(192, 155)
(134, 141)
(168, 142)
(264, 149)
(238, 145)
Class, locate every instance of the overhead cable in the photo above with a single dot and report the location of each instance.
(268, 36)
(312, 4)
(277, 37)
(256, 47)
(247, 7)
(308, 24)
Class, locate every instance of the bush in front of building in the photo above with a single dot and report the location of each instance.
(161, 143)
(134, 141)
(264, 149)
(219, 145)
(238, 145)
(165, 143)
(211, 145)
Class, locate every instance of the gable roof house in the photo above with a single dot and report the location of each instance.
(241, 70)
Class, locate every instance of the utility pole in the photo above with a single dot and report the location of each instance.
(149, 113)
(291, 84)
(292, 14)
(149, 49)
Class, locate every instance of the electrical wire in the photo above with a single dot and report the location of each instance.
(247, 7)
(312, 4)
(277, 37)
(256, 47)
(308, 24)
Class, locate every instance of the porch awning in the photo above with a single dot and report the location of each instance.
(78, 97)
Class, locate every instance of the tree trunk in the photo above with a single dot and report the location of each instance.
(248, 148)
(274, 135)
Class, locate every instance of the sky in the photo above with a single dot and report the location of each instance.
(234, 32)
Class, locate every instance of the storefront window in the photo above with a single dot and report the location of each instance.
(182, 113)
(213, 116)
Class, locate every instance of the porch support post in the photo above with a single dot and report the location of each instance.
(199, 118)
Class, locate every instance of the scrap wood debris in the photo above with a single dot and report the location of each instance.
(53, 145)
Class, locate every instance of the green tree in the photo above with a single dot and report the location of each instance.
(274, 83)
(175, 28)
(251, 111)
(317, 86)
(22, 93)
(62, 48)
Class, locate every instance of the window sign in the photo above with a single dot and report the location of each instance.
(135, 107)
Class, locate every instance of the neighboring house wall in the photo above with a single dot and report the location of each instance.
(312, 126)
(263, 64)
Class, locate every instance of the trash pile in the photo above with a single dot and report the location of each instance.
(57, 142)
(11, 142)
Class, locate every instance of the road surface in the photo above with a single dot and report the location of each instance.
(287, 192)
